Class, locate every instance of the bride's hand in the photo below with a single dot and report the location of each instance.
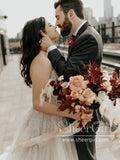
(45, 42)
(75, 116)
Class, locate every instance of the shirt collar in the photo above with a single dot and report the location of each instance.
(80, 27)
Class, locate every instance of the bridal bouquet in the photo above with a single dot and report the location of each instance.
(84, 93)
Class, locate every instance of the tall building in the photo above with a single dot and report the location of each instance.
(89, 17)
(88, 14)
(108, 9)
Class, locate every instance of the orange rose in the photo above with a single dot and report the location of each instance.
(89, 96)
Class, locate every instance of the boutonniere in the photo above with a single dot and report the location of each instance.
(71, 40)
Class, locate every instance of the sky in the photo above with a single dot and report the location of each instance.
(20, 11)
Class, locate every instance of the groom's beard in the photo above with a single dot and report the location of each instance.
(66, 27)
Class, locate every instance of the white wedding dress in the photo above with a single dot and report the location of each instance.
(34, 141)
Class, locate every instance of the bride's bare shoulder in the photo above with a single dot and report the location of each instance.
(41, 61)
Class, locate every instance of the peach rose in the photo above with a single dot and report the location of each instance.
(65, 84)
(81, 99)
(76, 79)
(89, 96)
(74, 95)
(107, 86)
(77, 83)
(74, 88)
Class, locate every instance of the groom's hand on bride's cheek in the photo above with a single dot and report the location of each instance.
(45, 42)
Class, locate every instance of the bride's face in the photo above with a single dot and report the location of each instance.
(51, 31)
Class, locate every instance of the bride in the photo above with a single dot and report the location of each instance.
(37, 137)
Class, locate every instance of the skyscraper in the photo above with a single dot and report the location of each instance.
(108, 9)
(89, 17)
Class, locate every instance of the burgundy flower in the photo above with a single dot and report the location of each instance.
(71, 40)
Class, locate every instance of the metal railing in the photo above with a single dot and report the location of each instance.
(108, 33)
(112, 65)
(103, 30)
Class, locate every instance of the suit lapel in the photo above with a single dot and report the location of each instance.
(81, 30)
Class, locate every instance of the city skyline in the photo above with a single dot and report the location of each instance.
(19, 12)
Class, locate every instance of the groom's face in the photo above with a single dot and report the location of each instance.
(62, 22)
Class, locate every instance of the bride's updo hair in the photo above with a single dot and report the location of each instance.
(30, 46)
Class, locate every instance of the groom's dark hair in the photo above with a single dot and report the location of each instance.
(76, 5)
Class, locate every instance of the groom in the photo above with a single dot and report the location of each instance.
(86, 48)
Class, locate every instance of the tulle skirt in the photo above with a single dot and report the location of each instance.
(33, 141)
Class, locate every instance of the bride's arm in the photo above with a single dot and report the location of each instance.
(40, 74)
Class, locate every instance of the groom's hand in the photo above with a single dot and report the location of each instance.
(45, 42)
